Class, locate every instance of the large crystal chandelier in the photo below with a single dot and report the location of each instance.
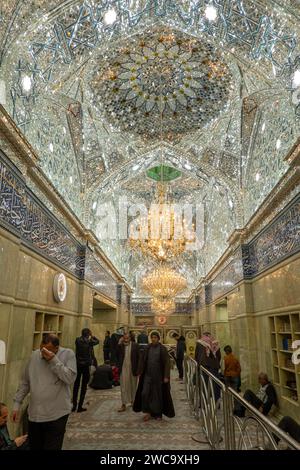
(161, 234)
(164, 282)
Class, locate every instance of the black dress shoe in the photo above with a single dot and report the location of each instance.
(81, 409)
(74, 408)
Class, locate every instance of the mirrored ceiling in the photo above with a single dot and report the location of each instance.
(107, 91)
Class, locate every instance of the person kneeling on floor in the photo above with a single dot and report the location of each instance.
(290, 426)
(102, 377)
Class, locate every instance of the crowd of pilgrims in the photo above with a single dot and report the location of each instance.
(139, 366)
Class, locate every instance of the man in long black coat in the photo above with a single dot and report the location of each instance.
(84, 358)
(180, 350)
(114, 341)
(153, 395)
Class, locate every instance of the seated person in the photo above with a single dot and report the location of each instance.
(116, 375)
(5, 441)
(103, 377)
(264, 399)
(290, 426)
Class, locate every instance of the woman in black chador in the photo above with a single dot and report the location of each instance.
(153, 395)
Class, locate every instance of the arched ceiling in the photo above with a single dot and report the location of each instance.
(105, 90)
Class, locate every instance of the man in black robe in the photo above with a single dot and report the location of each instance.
(114, 341)
(153, 395)
(180, 351)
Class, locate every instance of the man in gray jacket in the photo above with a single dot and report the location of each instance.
(48, 377)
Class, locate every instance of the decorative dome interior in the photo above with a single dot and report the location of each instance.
(106, 91)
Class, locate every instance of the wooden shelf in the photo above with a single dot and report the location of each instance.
(284, 329)
(46, 323)
(290, 388)
(295, 402)
(288, 370)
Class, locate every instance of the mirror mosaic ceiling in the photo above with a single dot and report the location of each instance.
(104, 101)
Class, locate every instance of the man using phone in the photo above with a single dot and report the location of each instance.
(84, 358)
(48, 377)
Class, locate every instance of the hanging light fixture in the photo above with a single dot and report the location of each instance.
(163, 305)
(164, 282)
(162, 234)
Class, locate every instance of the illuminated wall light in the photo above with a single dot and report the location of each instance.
(109, 17)
(26, 83)
(211, 13)
(51, 148)
(71, 179)
(257, 176)
(278, 144)
(296, 79)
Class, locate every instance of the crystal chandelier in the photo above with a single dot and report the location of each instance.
(163, 305)
(164, 282)
(161, 234)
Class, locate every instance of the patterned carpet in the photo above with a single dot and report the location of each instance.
(101, 427)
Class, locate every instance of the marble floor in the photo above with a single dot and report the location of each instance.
(101, 427)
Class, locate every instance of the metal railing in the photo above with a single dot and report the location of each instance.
(213, 404)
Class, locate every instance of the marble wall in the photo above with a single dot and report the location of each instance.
(279, 240)
(26, 283)
(34, 246)
(249, 306)
(259, 276)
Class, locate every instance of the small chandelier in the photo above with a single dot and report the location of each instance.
(164, 282)
(163, 305)
(161, 235)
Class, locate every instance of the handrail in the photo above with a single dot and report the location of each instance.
(266, 421)
(222, 429)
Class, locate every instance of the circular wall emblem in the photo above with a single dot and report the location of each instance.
(59, 287)
(162, 320)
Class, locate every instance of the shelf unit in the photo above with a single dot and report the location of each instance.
(284, 329)
(46, 323)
